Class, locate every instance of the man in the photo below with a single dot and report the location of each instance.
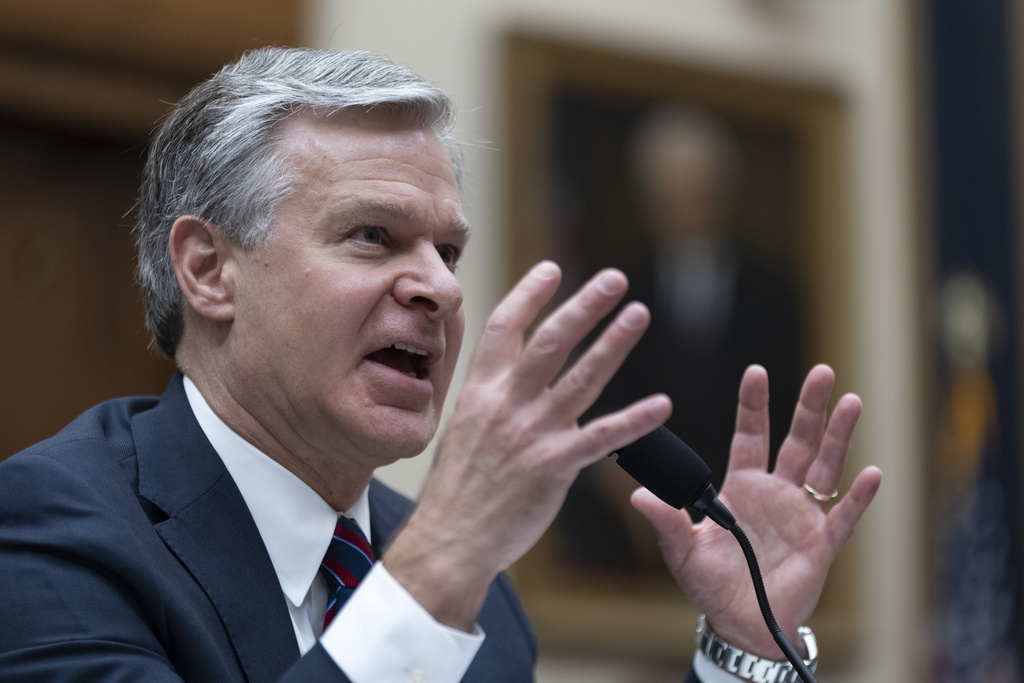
(299, 231)
(716, 303)
(716, 308)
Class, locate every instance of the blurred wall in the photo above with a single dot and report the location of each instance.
(862, 50)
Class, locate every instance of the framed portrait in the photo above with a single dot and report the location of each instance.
(722, 197)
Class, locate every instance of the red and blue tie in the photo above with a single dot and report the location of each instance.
(346, 563)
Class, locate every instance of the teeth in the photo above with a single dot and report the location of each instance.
(408, 348)
(410, 374)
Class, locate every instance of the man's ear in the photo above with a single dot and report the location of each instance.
(202, 258)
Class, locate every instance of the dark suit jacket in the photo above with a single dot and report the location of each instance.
(128, 553)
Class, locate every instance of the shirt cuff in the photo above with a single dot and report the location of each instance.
(382, 635)
(709, 672)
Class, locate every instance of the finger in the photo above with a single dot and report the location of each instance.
(583, 383)
(842, 518)
(609, 433)
(502, 337)
(827, 469)
(554, 339)
(750, 441)
(808, 427)
(674, 527)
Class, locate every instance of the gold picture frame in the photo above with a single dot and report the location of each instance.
(577, 607)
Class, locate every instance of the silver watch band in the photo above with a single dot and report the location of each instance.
(751, 667)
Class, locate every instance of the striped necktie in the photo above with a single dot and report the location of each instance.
(347, 561)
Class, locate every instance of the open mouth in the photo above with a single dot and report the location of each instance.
(405, 358)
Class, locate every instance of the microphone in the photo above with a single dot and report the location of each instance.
(674, 472)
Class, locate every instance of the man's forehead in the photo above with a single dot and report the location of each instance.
(354, 133)
(318, 145)
(356, 118)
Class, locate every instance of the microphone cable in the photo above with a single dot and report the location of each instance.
(766, 610)
(667, 467)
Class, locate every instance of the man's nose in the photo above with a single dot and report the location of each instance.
(430, 283)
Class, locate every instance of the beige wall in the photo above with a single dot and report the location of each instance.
(858, 48)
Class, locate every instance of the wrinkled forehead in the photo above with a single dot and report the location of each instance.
(380, 117)
(382, 164)
(352, 134)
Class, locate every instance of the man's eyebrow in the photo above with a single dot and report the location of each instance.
(458, 225)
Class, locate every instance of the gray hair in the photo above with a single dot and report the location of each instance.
(215, 155)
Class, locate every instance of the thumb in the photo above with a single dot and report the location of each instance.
(675, 528)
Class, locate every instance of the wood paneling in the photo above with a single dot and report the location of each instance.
(71, 325)
(174, 35)
(111, 66)
(81, 87)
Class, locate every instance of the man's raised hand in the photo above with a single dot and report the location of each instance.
(795, 536)
(513, 445)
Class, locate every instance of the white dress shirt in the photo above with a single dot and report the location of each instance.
(381, 635)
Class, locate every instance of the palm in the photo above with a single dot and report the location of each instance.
(792, 557)
(794, 537)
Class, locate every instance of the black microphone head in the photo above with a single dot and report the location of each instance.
(669, 468)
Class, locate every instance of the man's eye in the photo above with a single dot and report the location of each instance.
(449, 254)
(369, 234)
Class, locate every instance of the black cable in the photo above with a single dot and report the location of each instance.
(766, 610)
(672, 471)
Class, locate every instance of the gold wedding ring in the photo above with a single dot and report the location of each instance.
(818, 495)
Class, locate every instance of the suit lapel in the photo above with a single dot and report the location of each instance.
(211, 532)
(388, 512)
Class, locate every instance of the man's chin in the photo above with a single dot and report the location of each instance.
(379, 429)
(401, 439)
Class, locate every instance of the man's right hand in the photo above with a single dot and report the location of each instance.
(513, 445)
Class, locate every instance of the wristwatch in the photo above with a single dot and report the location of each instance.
(751, 667)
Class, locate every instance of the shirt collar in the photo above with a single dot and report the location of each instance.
(296, 524)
